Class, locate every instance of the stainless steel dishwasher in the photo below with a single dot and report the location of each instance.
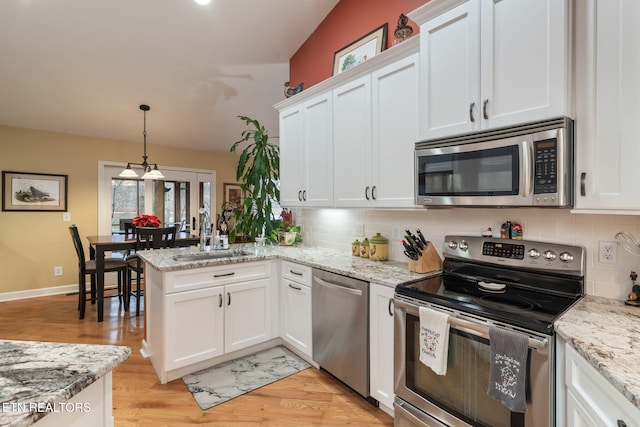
(340, 318)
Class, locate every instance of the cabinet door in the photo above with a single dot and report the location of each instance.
(352, 143)
(524, 61)
(292, 176)
(381, 344)
(194, 326)
(450, 72)
(296, 318)
(247, 314)
(394, 133)
(607, 108)
(318, 158)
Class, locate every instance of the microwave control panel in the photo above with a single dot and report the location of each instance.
(546, 166)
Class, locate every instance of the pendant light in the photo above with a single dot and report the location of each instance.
(149, 172)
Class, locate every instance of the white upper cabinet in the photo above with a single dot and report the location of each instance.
(607, 106)
(306, 156)
(489, 63)
(375, 129)
(352, 143)
(349, 141)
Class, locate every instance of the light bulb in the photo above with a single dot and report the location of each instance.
(202, 2)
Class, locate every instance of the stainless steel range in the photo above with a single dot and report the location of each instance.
(515, 284)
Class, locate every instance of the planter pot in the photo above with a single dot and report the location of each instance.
(287, 238)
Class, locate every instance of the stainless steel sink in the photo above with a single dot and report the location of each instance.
(214, 254)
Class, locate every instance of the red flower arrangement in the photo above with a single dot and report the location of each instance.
(146, 221)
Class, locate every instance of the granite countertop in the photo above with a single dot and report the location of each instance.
(604, 332)
(387, 273)
(39, 377)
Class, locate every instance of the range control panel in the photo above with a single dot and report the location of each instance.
(552, 257)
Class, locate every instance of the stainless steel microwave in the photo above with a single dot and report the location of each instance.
(526, 165)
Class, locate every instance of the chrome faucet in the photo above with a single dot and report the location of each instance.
(205, 221)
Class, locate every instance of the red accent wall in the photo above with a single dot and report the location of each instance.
(348, 21)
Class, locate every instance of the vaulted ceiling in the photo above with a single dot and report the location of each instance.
(85, 66)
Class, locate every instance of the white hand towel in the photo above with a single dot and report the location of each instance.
(434, 339)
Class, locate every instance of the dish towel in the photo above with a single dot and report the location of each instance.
(434, 339)
(508, 368)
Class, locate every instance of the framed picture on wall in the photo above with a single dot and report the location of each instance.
(233, 195)
(34, 192)
(366, 47)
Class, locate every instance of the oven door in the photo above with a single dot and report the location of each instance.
(460, 397)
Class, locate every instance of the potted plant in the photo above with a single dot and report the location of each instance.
(258, 172)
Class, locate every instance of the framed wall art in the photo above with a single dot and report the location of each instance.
(34, 192)
(233, 195)
(364, 48)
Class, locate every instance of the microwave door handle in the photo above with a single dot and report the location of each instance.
(527, 167)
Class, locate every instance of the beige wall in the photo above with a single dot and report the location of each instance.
(32, 243)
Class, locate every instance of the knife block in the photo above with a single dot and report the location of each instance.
(428, 262)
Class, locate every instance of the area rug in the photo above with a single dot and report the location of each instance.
(216, 385)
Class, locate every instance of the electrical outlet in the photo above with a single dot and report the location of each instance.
(66, 217)
(359, 229)
(395, 234)
(608, 252)
(57, 270)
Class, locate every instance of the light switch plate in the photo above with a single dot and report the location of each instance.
(66, 217)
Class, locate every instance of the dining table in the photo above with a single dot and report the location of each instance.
(98, 245)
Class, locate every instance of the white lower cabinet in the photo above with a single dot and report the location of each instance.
(197, 317)
(295, 294)
(381, 345)
(590, 400)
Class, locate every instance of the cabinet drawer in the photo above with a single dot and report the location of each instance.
(296, 272)
(184, 280)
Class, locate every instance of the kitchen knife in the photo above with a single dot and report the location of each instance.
(414, 246)
(421, 237)
(415, 242)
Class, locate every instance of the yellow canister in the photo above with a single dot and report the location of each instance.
(355, 248)
(379, 248)
(364, 248)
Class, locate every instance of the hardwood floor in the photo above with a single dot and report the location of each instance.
(309, 398)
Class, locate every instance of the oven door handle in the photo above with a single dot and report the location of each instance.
(467, 326)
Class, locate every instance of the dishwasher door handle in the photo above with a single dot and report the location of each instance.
(337, 287)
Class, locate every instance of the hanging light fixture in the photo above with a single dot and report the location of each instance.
(149, 172)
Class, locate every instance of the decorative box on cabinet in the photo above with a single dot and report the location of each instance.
(381, 345)
(607, 107)
(487, 64)
(296, 307)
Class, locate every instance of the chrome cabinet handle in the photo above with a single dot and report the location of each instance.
(297, 288)
(366, 193)
(389, 307)
(228, 298)
(220, 300)
(300, 195)
(471, 107)
(583, 184)
(373, 192)
(304, 195)
(484, 109)
(297, 273)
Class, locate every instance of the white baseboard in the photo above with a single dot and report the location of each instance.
(34, 293)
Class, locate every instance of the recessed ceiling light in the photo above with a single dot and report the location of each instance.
(202, 2)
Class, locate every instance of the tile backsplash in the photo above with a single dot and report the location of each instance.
(336, 228)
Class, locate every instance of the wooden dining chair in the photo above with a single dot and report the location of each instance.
(89, 268)
(146, 238)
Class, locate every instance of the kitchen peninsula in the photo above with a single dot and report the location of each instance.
(206, 311)
(57, 384)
